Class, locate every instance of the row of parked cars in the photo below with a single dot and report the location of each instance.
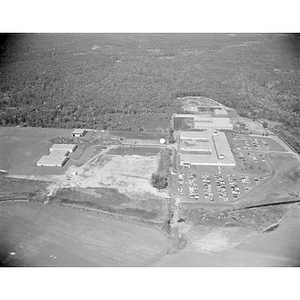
(234, 186)
(220, 182)
(194, 193)
(253, 156)
(180, 187)
(221, 185)
(256, 144)
(208, 194)
(246, 182)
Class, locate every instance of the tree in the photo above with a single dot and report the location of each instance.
(159, 182)
(171, 138)
(265, 124)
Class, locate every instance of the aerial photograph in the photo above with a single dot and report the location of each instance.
(149, 150)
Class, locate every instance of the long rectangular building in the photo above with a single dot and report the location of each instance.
(52, 161)
(63, 147)
(205, 148)
(199, 122)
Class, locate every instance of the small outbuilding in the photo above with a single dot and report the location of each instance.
(162, 141)
(78, 132)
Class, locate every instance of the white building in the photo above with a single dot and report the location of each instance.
(78, 132)
(52, 161)
(63, 147)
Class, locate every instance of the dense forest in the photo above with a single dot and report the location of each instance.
(132, 81)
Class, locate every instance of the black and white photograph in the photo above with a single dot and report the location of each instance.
(154, 148)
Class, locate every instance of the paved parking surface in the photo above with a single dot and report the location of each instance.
(196, 186)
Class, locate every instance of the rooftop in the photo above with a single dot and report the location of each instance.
(69, 147)
(205, 147)
(52, 160)
(78, 131)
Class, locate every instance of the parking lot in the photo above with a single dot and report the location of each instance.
(203, 187)
(210, 184)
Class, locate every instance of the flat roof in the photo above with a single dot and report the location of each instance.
(59, 152)
(222, 147)
(221, 111)
(194, 140)
(79, 131)
(52, 160)
(194, 134)
(69, 147)
(217, 144)
(204, 122)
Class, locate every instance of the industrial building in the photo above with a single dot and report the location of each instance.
(63, 147)
(52, 161)
(209, 147)
(199, 122)
(58, 155)
(78, 132)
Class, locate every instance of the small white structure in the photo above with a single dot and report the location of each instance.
(78, 132)
(162, 141)
(63, 147)
(52, 161)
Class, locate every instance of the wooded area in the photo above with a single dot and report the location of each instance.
(132, 81)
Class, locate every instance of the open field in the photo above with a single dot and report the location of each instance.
(143, 151)
(56, 236)
(285, 183)
(143, 135)
(21, 148)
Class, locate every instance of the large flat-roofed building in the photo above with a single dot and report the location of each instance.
(63, 147)
(220, 112)
(199, 122)
(58, 155)
(78, 132)
(59, 152)
(204, 148)
(52, 161)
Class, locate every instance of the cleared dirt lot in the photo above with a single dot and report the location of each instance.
(56, 236)
(130, 174)
(241, 247)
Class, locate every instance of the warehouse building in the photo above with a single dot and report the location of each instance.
(52, 161)
(78, 132)
(58, 155)
(63, 147)
(208, 147)
(199, 122)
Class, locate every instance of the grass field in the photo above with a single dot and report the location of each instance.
(21, 148)
(143, 135)
(57, 236)
(143, 151)
(281, 185)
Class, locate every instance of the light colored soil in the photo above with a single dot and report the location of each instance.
(130, 174)
(241, 247)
